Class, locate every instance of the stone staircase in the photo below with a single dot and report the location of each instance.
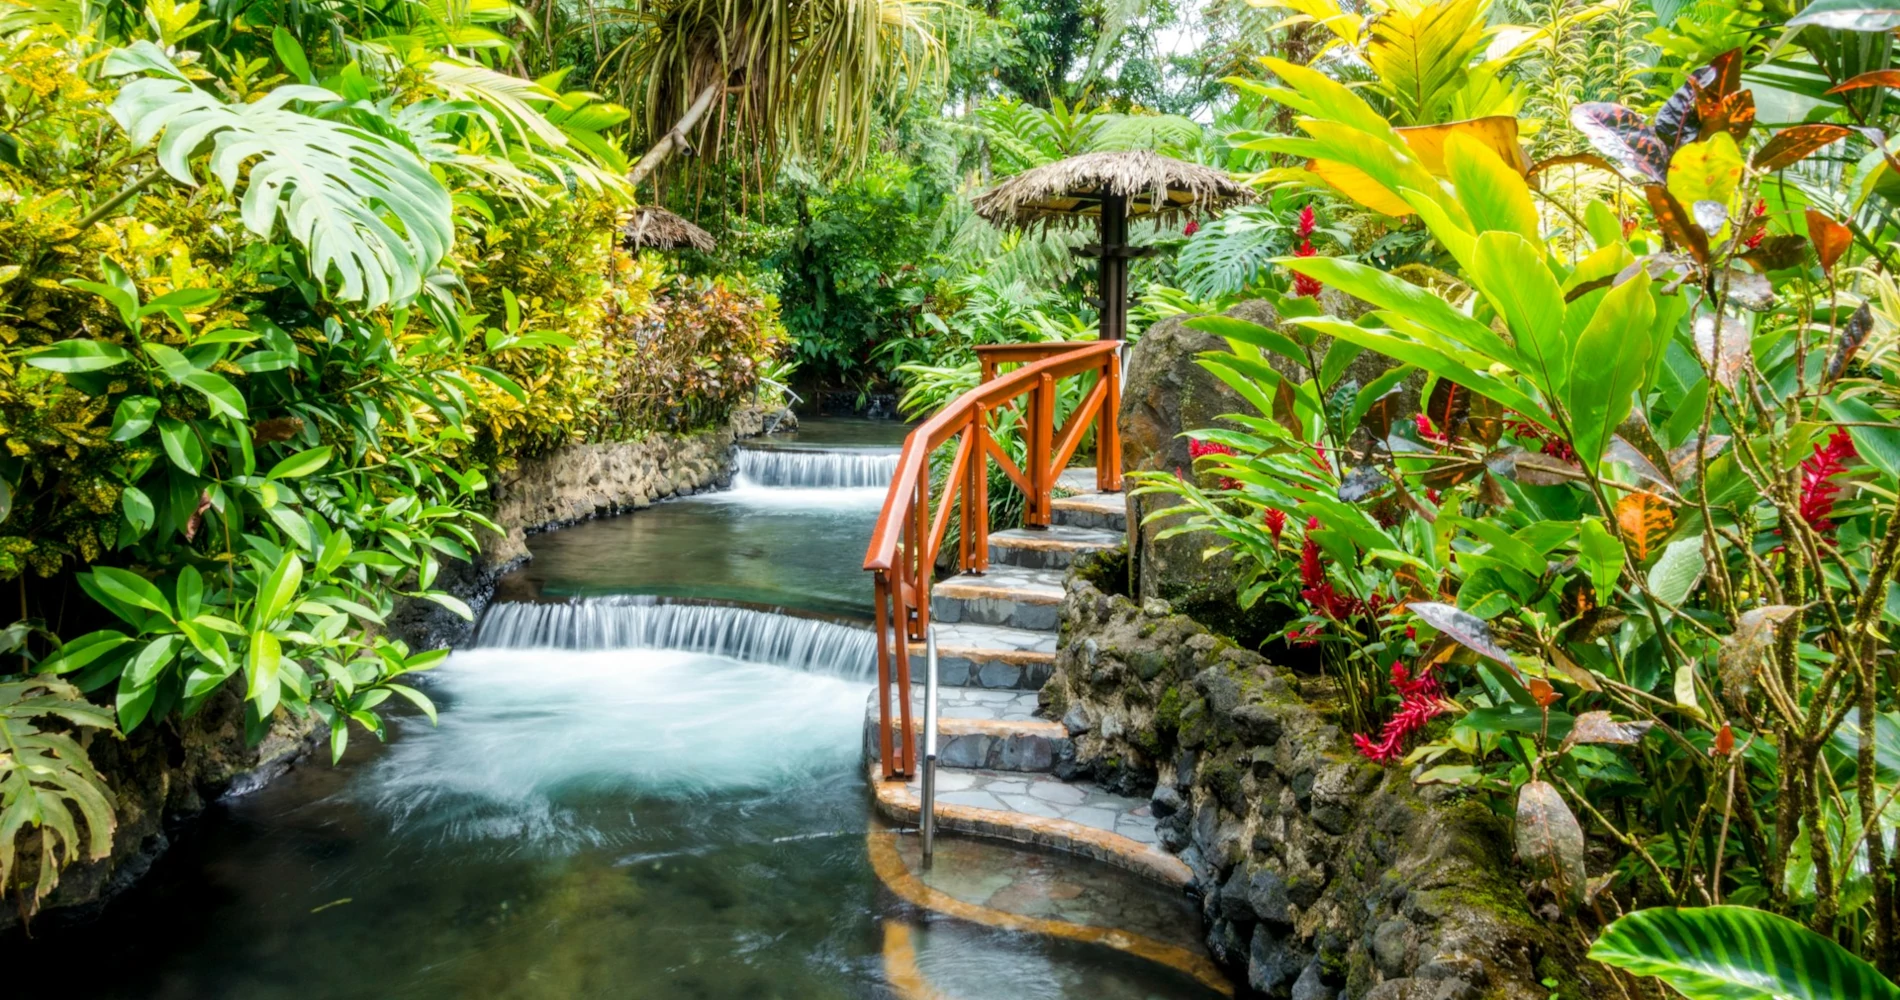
(996, 644)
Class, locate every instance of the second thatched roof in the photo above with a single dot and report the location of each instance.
(658, 229)
(1071, 190)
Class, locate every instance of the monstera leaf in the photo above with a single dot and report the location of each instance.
(366, 210)
(1737, 953)
(45, 778)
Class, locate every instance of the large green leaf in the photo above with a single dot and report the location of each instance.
(365, 208)
(1510, 271)
(1737, 953)
(1610, 365)
(78, 356)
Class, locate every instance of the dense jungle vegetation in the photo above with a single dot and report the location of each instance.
(282, 287)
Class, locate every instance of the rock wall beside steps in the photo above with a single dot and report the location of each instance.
(1322, 876)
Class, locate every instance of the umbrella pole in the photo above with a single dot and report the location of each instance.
(1112, 274)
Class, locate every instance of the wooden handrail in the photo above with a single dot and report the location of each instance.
(989, 356)
(911, 529)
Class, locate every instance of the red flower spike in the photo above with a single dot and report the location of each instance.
(1198, 448)
(1191, 228)
(1304, 286)
(1276, 523)
(1420, 700)
(1819, 491)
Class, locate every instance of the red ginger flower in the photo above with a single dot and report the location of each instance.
(1276, 523)
(1421, 699)
(1198, 448)
(1819, 490)
(1426, 431)
(1320, 594)
(1191, 228)
(1303, 285)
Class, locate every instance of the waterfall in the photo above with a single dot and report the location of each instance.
(797, 467)
(640, 622)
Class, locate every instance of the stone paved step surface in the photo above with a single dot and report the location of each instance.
(1011, 596)
(1077, 817)
(1077, 479)
(977, 727)
(1106, 511)
(1055, 547)
(989, 656)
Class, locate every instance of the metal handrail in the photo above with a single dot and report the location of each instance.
(902, 582)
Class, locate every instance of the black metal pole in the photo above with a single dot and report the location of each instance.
(1112, 272)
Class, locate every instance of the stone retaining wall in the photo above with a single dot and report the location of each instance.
(574, 484)
(1321, 875)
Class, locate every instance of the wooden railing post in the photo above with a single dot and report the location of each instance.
(881, 588)
(1108, 431)
(1041, 447)
(977, 498)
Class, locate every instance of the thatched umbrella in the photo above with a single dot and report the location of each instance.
(658, 229)
(1110, 188)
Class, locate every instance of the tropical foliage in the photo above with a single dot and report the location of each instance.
(270, 308)
(1627, 570)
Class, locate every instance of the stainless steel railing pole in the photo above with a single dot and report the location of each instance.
(928, 814)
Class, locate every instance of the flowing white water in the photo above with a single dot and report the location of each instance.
(555, 749)
(632, 622)
(798, 467)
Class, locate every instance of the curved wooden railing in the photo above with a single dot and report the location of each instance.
(911, 528)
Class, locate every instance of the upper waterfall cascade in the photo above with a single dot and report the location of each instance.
(808, 469)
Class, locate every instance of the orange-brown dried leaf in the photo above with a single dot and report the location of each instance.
(1830, 238)
(1644, 520)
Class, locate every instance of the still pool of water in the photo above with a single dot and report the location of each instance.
(799, 548)
(594, 821)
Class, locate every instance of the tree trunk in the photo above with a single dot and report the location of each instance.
(675, 138)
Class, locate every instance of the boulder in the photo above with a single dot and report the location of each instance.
(1167, 393)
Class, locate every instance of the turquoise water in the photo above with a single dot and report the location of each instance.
(609, 822)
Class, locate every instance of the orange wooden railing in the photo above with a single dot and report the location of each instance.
(910, 530)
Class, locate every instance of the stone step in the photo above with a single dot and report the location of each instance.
(1041, 809)
(1105, 511)
(979, 727)
(1011, 596)
(1055, 547)
(989, 656)
(1077, 479)
(988, 886)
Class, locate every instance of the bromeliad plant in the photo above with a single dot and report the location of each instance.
(1645, 528)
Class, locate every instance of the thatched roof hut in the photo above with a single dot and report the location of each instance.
(658, 229)
(1071, 190)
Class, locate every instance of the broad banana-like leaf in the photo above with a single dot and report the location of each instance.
(364, 207)
(1737, 953)
(1426, 145)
